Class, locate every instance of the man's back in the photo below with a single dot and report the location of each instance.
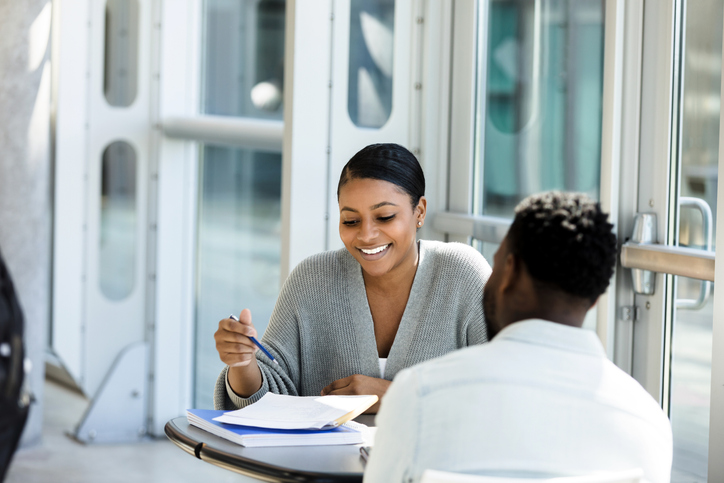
(540, 399)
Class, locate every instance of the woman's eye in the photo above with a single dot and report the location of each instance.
(386, 218)
(349, 223)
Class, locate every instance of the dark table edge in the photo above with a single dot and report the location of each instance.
(248, 466)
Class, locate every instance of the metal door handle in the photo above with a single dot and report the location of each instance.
(644, 256)
(706, 216)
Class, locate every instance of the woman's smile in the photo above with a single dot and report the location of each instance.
(372, 254)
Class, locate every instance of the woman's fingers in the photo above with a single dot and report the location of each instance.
(338, 385)
(358, 385)
(232, 340)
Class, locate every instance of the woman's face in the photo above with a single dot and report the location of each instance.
(378, 224)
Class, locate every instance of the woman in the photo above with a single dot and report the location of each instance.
(347, 321)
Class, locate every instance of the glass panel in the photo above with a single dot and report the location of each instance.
(691, 384)
(238, 251)
(539, 102)
(371, 53)
(120, 79)
(243, 58)
(118, 221)
(698, 140)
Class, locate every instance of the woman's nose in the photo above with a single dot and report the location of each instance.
(367, 232)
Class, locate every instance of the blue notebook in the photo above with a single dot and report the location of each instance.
(349, 433)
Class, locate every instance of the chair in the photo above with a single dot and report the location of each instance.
(634, 475)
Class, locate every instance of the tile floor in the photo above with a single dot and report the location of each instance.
(61, 459)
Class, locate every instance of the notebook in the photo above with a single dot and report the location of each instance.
(348, 433)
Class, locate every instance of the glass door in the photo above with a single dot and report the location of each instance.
(672, 345)
(693, 308)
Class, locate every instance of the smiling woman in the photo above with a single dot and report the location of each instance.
(347, 321)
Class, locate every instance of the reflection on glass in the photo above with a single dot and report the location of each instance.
(539, 107)
(691, 384)
(371, 52)
(238, 249)
(120, 71)
(243, 58)
(696, 222)
(118, 221)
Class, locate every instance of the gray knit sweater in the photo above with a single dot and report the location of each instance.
(321, 328)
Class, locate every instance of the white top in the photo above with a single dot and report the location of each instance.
(540, 400)
(383, 363)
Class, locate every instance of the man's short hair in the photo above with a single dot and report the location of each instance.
(566, 241)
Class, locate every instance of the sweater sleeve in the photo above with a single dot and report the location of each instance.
(282, 339)
(474, 272)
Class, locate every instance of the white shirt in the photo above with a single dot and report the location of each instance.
(383, 364)
(541, 399)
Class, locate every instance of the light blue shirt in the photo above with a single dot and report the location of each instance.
(540, 399)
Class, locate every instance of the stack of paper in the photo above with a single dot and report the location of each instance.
(277, 420)
(350, 433)
(293, 412)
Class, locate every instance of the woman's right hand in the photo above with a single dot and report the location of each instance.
(237, 351)
(232, 340)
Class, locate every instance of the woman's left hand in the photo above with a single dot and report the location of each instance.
(358, 384)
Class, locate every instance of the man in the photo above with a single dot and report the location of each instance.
(541, 399)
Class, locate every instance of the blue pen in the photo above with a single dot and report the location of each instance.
(257, 343)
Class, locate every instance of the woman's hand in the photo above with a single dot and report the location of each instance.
(358, 384)
(237, 351)
(232, 340)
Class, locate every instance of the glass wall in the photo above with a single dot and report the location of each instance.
(540, 88)
(238, 248)
(539, 104)
(239, 211)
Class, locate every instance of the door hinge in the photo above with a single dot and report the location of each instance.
(630, 312)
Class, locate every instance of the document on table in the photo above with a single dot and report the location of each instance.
(349, 433)
(296, 412)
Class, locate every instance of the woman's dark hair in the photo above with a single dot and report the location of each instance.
(565, 240)
(387, 162)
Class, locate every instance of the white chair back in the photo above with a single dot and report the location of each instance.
(627, 476)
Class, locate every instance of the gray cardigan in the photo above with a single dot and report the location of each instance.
(321, 328)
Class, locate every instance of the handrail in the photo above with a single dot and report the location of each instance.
(491, 229)
(251, 133)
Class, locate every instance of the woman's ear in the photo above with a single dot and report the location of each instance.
(421, 211)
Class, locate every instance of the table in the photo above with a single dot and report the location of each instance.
(335, 463)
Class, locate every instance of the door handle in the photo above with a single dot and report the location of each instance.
(646, 258)
(706, 216)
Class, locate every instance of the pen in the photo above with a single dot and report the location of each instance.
(257, 343)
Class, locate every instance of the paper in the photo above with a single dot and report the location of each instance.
(294, 412)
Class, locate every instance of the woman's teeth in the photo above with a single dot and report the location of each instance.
(374, 250)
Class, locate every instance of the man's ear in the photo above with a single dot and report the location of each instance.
(511, 273)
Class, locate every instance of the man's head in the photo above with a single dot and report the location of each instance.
(554, 263)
